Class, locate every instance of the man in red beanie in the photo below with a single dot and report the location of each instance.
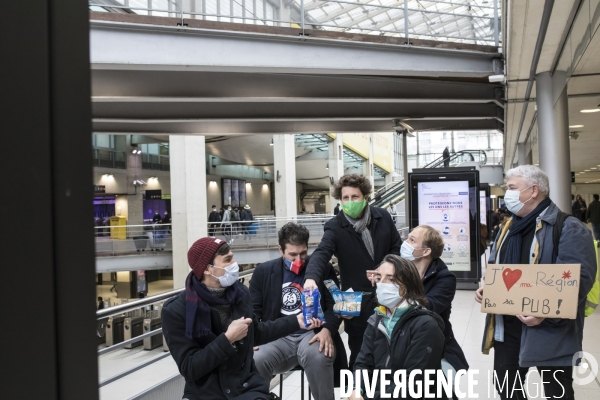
(210, 328)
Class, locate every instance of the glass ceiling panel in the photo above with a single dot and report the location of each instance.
(467, 21)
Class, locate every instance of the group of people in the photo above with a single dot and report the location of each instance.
(230, 221)
(158, 219)
(229, 340)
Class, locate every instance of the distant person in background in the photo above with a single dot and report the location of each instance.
(593, 216)
(166, 218)
(579, 208)
(227, 224)
(100, 303)
(157, 218)
(392, 211)
(336, 210)
(247, 217)
(446, 156)
(495, 222)
(572, 199)
(213, 217)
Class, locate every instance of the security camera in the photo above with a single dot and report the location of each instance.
(497, 78)
(574, 135)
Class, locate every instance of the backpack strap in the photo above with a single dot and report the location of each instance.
(557, 231)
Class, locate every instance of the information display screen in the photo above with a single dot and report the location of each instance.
(449, 202)
(445, 207)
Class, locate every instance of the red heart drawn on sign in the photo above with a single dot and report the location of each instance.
(511, 277)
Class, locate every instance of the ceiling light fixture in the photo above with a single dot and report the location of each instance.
(576, 126)
(591, 110)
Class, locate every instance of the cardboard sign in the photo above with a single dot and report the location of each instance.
(537, 290)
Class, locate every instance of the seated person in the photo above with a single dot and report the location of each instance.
(424, 248)
(211, 330)
(401, 324)
(276, 288)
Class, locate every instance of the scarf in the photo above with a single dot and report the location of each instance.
(198, 301)
(361, 227)
(519, 228)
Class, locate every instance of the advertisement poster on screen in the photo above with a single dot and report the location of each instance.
(445, 207)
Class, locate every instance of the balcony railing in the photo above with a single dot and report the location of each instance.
(155, 162)
(109, 158)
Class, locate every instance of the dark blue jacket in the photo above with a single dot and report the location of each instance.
(213, 368)
(440, 287)
(554, 342)
(265, 289)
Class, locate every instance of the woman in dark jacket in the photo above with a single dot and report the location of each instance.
(579, 209)
(401, 334)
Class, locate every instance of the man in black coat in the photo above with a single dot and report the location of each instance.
(276, 289)
(336, 210)
(213, 217)
(446, 157)
(211, 329)
(360, 237)
(424, 247)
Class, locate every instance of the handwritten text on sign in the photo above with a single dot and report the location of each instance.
(538, 290)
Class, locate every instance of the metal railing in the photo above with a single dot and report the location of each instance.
(459, 157)
(133, 306)
(109, 158)
(262, 233)
(129, 239)
(155, 162)
(441, 20)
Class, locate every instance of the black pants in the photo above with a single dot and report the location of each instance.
(506, 364)
(356, 327)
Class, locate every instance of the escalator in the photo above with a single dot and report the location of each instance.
(395, 191)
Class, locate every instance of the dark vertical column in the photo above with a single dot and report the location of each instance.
(48, 295)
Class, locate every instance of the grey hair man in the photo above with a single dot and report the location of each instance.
(521, 342)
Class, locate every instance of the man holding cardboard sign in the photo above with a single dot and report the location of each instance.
(536, 310)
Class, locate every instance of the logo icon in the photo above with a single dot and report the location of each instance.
(447, 247)
(446, 230)
(587, 370)
(462, 247)
(445, 217)
(291, 298)
(462, 230)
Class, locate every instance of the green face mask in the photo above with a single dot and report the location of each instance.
(354, 208)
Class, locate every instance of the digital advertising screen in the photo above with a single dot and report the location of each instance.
(445, 207)
(449, 202)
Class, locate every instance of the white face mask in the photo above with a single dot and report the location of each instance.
(388, 294)
(406, 251)
(512, 200)
(232, 274)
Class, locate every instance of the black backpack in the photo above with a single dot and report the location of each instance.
(234, 216)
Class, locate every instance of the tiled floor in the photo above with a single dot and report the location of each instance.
(468, 324)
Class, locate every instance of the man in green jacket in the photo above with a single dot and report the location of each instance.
(593, 216)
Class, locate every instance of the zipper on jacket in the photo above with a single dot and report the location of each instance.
(381, 328)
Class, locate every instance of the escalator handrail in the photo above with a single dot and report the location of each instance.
(439, 161)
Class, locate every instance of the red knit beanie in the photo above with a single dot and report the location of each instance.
(201, 252)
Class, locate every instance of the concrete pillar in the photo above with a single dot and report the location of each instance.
(336, 167)
(405, 173)
(284, 154)
(188, 199)
(553, 140)
(135, 203)
(368, 168)
(522, 153)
